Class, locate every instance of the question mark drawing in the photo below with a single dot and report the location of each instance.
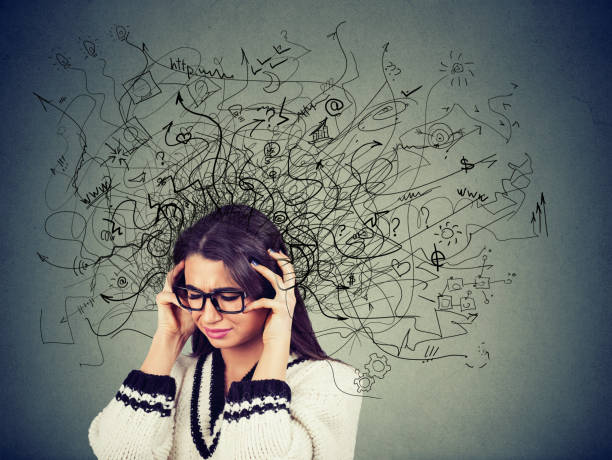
(158, 154)
(397, 225)
(419, 217)
(272, 112)
(342, 227)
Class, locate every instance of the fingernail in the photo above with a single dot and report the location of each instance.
(254, 262)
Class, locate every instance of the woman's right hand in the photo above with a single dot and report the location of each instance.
(173, 321)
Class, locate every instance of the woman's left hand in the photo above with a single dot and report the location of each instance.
(277, 328)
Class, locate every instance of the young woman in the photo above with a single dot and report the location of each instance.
(257, 385)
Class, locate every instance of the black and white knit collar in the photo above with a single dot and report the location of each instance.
(216, 394)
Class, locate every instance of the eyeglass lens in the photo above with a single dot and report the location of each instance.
(225, 300)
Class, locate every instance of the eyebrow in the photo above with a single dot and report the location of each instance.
(216, 289)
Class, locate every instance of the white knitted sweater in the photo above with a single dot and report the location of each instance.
(312, 415)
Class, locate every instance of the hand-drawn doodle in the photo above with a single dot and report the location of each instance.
(390, 209)
(481, 360)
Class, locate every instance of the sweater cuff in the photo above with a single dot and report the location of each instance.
(151, 393)
(248, 397)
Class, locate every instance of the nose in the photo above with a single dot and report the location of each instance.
(208, 313)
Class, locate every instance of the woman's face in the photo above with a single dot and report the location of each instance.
(245, 329)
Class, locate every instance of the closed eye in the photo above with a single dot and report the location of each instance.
(227, 297)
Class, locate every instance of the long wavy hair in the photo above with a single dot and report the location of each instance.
(234, 234)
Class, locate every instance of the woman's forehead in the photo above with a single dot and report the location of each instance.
(207, 274)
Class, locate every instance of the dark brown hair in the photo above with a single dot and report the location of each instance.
(235, 234)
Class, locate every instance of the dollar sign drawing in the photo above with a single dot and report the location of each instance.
(466, 165)
(437, 257)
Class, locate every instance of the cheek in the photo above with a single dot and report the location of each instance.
(255, 319)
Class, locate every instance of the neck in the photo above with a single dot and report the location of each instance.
(239, 360)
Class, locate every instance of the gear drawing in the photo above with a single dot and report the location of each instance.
(364, 381)
(378, 366)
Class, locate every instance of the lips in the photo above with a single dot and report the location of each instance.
(216, 333)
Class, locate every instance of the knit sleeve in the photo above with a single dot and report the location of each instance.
(317, 420)
(138, 422)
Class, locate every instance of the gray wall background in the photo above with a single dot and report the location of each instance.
(545, 391)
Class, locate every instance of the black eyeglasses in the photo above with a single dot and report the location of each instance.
(228, 300)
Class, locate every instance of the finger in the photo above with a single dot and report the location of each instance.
(167, 299)
(172, 274)
(274, 278)
(278, 306)
(253, 305)
(285, 264)
(261, 303)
